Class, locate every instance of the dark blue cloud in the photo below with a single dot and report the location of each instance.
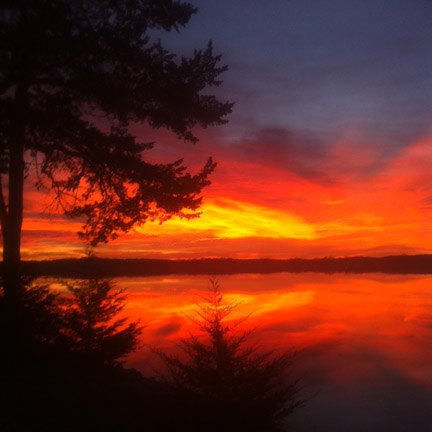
(287, 150)
(322, 65)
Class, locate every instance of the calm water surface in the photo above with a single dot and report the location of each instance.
(364, 341)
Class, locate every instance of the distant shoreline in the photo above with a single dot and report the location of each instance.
(103, 267)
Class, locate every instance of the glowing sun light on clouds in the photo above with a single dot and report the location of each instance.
(225, 218)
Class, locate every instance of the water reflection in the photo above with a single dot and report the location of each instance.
(366, 340)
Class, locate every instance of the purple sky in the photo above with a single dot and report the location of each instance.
(315, 68)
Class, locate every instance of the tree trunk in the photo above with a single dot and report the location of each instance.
(11, 223)
(13, 217)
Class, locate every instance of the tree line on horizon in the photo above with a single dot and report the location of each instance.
(105, 267)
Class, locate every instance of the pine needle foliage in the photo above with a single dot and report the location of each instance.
(226, 384)
(91, 324)
(77, 79)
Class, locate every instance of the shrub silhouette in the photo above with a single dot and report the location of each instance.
(222, 384)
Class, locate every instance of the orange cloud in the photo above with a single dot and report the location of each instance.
(261, 210)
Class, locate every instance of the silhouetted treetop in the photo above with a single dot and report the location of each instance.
(74, 77)
(226, 384)
(91, 323)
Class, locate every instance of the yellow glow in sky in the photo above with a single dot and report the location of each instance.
(224, 218)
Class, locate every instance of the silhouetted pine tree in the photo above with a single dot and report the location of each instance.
(75, 78)
(224, 385)
(91, 326)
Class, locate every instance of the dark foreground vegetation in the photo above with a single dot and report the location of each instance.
(61, 369)
(78, 268)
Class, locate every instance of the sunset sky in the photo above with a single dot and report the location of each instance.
(328, 151)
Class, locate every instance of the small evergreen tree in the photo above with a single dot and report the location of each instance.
(225, 385)
(91, 326)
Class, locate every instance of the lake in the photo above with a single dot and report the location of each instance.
(364, 341)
